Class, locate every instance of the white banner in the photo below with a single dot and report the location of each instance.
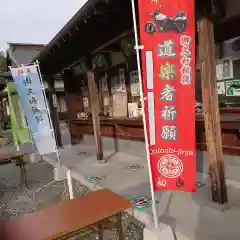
(32, 96)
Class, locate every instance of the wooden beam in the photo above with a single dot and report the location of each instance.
(211, 110)
(111, 41)
(54, 112)
(103, 47)
(95, 113)
(100, 95)
(230, 26)
(74, 103)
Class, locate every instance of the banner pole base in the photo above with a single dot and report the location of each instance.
(69, 181)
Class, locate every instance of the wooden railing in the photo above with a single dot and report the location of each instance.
(132, 129)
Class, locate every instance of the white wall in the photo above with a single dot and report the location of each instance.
(21, 55)
(58, 84)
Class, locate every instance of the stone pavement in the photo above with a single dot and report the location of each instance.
(43, 191)
(38, 175)
(192, 216)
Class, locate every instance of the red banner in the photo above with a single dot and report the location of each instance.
(167, 33)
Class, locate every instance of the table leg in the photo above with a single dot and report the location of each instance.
(23, 173)
(100, 232)
(120, 228)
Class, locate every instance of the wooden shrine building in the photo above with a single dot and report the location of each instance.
(95, 54)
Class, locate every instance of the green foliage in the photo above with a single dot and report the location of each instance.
(3, 62)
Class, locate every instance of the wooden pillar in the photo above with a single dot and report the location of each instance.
(54, 111)
(92, 86)
(128, 84)
(100, 96)
(211, 110)
(74, 103)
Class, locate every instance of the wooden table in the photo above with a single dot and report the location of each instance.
(16, 157)
(66, 217)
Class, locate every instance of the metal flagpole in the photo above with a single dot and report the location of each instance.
(137, 48)
(47, 106)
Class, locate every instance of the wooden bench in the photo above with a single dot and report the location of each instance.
(97, 211)
(16, 157)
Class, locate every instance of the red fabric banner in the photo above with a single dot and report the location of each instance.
(167, 33)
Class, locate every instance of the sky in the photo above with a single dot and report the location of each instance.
(32, 21)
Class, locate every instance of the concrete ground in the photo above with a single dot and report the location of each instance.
(43, 191)
(11, 187)
(192, 216)
(38, 175)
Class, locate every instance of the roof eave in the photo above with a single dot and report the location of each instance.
(70, 24)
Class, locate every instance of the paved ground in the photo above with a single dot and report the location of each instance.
(16, 200)
(38, 174)
(191, 215)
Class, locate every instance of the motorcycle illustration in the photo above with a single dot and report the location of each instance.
(161, 23)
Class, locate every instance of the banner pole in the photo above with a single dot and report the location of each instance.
(48, 110)
(137, 48)
(70, 186)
